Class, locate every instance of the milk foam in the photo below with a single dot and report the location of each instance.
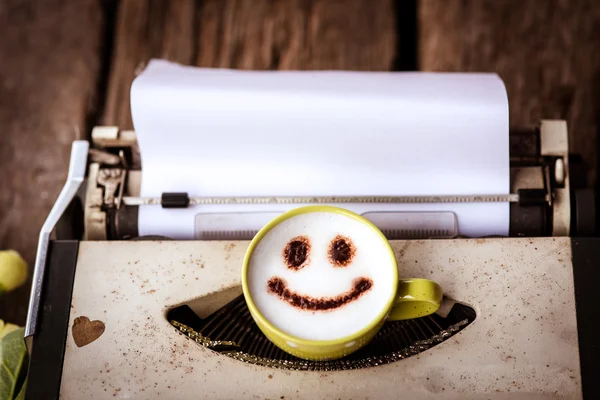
(319, 278)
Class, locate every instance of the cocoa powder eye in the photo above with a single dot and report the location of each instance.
(296, 253)
(341, 251)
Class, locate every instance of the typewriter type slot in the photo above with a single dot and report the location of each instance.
(231, 332)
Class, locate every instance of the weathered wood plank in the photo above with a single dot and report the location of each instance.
(320, 34)
(547, 52)
(48, 77)
(145, 30)
(248, 34)
(353, 35)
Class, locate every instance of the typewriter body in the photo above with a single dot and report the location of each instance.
(118, 314)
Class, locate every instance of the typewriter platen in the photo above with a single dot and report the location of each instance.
(543, 202)
(113, 314)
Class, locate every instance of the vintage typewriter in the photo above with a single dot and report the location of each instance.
(116, 312)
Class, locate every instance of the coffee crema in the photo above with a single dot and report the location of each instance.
(321, 275)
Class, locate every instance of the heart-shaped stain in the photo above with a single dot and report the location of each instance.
(86, 331)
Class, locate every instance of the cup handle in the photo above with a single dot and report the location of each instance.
(416, 298)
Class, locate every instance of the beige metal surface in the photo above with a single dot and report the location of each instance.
(100, 133)
(524, 340)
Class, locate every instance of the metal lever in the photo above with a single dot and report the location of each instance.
(77, 167)
(110, 178)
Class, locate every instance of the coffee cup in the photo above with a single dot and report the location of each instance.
(320, 281)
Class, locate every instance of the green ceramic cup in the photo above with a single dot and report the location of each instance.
(412, 298)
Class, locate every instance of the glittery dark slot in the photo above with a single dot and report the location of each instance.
(396, 340)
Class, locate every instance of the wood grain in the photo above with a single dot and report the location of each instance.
(352, 35)
(249, 34)
(547, 52)
(144, 30)
(48, 77)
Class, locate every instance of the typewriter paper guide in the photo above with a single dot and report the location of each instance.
(218, 132)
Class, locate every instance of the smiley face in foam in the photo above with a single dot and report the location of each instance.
(321, 275)
(340, 253)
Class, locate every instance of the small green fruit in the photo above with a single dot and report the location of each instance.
(13, 270)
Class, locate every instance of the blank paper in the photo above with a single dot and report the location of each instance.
(219, 132)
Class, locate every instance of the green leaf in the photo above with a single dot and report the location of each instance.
(13, 270)
(6, 328)
(12, 355)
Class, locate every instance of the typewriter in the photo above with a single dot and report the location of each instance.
(139, 296)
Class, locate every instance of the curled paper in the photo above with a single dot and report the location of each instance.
(219, 132)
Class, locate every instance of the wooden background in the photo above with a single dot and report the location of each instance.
(67, 66)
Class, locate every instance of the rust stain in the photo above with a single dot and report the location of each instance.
(402, 251)
(229, 246)
(85, 331)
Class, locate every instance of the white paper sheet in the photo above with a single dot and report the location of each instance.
(217, 132)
